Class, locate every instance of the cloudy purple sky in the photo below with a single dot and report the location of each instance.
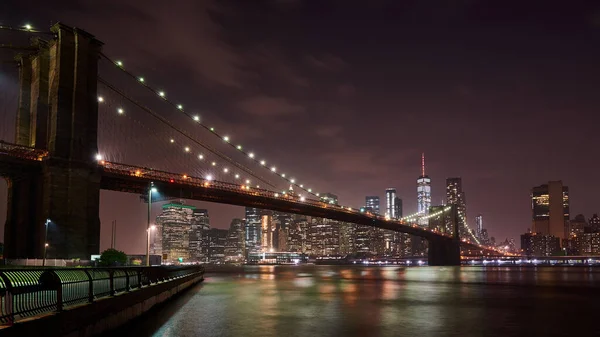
(347, 94)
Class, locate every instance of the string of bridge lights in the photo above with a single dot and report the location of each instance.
(186, 149)
(28, 28)
(176, 129)
(226, 138)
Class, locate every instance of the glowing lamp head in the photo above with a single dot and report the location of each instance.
(197, 118)
(251, 155)
(226, 170)
(273, 169)
(120, 111)
(141, 79)
(262, 162)
(153, 227)
(239, 147)
(209, 177)
(302, 199)
(200, 157)
(153, 190)
(46, 245)
(293, 181)
(28, 27)
(100, 99)
(187, 149)
(237, 176)
(180, 107)
(172, 140)
(161, 94)
(226, 138)
(119, 63)
(214, 164)
(98, 157)
(247, 181)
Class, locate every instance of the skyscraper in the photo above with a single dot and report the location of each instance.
(456, 196)
(390, 202)
(234, 247)
(267, 231)
(199, 225)
(252, 229)
(479, 226)
(423, 191)
(398, 204)
(173, 231)
(372, 204)
(550, 209)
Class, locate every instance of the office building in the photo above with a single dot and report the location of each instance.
(594, 223)
(443, 222)
(372, 204)
(347, 238)
(479, 226)
(267, 231)
(216, 240)
(200, 223)
(234, 247)
(324, 237)
(423, 192)
(456, 196)
(550, 209)
(535, 244)
(390, 203)
(590, 244)
(173, 228)
(398, 204)
(252, 230)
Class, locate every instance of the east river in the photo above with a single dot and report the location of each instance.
(315, 301)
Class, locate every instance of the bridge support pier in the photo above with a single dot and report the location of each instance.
(58, 112)
(444, 252)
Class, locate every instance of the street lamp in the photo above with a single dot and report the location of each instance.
(150, 229)
(45, 242)
(151, 189)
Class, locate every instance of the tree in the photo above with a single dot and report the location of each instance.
(113, 257)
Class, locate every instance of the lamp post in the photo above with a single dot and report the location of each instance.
(151, 189)
(45, 243)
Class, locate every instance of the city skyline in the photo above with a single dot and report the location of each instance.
(494, 109)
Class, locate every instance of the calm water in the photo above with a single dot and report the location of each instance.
(315, 301)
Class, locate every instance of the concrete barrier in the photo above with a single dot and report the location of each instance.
(102, 315)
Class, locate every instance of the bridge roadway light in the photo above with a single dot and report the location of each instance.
(98, 157)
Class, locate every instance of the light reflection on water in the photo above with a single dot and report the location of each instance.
(380, 301)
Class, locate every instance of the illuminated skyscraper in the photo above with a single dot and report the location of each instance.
(479, 226)
(550, 206)
(423, 191)
(456, 196)
(252, 230)
(372, 204)
(390, 203)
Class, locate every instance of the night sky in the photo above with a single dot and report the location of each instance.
(347, 94)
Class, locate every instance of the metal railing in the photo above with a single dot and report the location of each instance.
(30, 292)
(21, 151)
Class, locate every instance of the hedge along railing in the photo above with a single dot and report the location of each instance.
(30, 292)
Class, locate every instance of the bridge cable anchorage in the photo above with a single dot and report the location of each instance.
(121, 112)
(27, 28)
(183, 133)
(142, 81)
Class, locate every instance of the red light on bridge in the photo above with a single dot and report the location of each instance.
(171, 180)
